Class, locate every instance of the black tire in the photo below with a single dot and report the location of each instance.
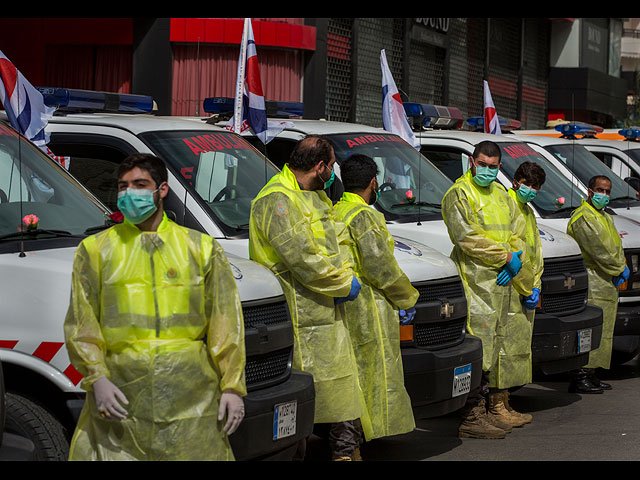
(30, 420)
(618, 358)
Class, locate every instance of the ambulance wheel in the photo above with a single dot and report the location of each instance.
(30, 420)
(619, 358)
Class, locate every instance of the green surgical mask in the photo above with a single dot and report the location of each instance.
(485, 175)
(137, 205)
(600, 200)
(525, 193)
(329, 182)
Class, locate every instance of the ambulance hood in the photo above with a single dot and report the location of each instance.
(434, 234)
(418, 261)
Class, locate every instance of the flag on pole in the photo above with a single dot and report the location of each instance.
(25, 108)
(248, 109)
(491, 121)
(394, 118)
(23, 104)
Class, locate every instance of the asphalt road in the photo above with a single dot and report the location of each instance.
(565, 427)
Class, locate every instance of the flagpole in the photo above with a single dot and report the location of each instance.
(242, 65)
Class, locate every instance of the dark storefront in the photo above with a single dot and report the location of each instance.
(433, 60)
(331, 64)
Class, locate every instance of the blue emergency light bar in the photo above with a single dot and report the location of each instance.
(506, 124)
(71, 100)
(218, 105)
(631, 133)
(425, 115)
(570, 130)
(278, 109)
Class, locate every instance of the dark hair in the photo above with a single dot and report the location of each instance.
(145, 161)
(593, 180)
(357, 171)
(488, 148)
(309, 151)
(532, 173)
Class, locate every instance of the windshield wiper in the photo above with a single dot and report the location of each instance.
(36, 231)
(623, 198)
(97, 228)
(420, 204)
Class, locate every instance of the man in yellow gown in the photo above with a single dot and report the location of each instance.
(155, 327)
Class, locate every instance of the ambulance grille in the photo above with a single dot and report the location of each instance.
(564, 303)
(436, 291)
(267, 314)
(570, 266)
(270, 366)
(439, 334)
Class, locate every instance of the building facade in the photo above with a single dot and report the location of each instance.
(537, 68)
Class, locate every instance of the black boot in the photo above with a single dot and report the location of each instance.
(591, 375)
(580, 383)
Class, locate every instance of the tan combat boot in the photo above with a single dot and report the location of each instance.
(497, 416)
(476, 425)
(524, 417)
(497, 411)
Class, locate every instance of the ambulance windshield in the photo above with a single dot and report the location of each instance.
(558, 196)
(411, 187)
(586, 165)
(221, 168)
(35, 187)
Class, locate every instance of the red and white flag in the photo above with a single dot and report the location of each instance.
(394, 118)
(491, 121)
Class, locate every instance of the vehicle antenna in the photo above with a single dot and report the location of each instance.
(419, 175)
(573, 155)
(22, 254)
(198, 76)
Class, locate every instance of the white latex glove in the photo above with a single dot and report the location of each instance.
(107, 395)
(232, 404)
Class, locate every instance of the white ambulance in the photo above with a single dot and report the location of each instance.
(43, 394)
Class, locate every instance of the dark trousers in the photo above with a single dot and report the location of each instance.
(343, 437)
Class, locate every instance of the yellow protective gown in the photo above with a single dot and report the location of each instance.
(293, 233)
(158, 313)
(372, 319)
(485, 225)
(514, 367)
(601, 249)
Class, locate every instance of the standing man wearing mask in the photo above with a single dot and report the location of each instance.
(593, 228)
(292, 231)
(373, 318)
(514, 367)
(486, 230)
(155, 327)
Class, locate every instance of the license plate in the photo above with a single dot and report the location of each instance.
(284, 420)
(584, 340)
(461, 380)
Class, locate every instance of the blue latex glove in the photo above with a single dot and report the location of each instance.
(503, 277)
(406, 316)
(515, 264)
(623, 277)
(353, 293)
(531, 302)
